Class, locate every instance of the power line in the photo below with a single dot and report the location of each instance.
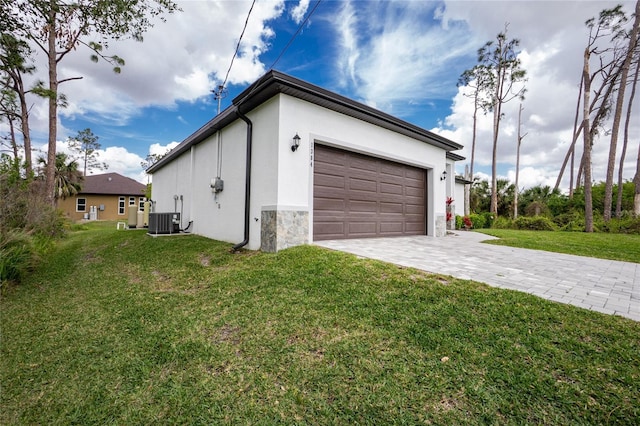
(224, 83)
(302, 24)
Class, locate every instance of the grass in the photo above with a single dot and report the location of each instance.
(120, 328)
(623, 247)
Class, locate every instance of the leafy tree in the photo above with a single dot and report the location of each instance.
(68, 179)
(59, 27)
(503, 84)
(504, 194)
(617, 116)
(476, 80)
(13, 66)
(626, 143)
(608, 25)
(480, 196)
(85, 145)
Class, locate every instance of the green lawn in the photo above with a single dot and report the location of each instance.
(120, 328)
(605, 246)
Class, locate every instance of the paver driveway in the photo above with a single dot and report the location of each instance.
(606, 286)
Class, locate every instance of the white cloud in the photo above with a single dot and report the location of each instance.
(180, 60)
(552, 57)
(298, 11)
(159, 149)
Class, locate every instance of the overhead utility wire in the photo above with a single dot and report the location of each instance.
(302, 24)
(238, 45)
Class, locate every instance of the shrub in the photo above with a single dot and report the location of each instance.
(503, 223)
(572, 221)
(478, 220)
(488, 219)
(537, 223)
(459, 222)
(17, 255)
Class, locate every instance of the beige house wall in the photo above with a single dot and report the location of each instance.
(110, 203)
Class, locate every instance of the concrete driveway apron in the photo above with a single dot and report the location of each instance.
(606, 286)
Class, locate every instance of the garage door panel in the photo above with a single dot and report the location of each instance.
(331, 229)
(324, 205)
(377, 197)
(331, 181)
(363, 185)
(391, 169)
(362, 227)
(362, 206)
(388, 188)
(391, 208)
(363, 164)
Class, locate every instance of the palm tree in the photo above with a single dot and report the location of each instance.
(67, 176)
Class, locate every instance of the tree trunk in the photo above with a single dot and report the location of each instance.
(586, 156)
(626, 140)
(636, 181)
(473, 137)
(611, 164)
(570, 152)
(50, 172)
(515, 193)
(467, 192)
(12, 135)
(497, 110)
(24, 126)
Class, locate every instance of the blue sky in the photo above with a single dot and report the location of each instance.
(403, 57)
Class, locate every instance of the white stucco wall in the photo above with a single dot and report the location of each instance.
(282, 179)
(459, 198)
(221, 216)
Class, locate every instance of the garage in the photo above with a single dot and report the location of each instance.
(359, 196)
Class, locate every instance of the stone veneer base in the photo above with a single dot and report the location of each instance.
(282, 229)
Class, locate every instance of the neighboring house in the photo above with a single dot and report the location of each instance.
(461, 195)
(357, 172)
(108, 196)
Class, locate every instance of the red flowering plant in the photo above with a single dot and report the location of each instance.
(449, 203)
(467, 222)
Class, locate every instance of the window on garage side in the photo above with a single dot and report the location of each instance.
(81, 204)
(121, 202)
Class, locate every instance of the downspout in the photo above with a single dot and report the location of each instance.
(247, 184)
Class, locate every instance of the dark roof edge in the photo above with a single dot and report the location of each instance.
(274, 82)
(460, 179)
(455, 157)
(211, 127)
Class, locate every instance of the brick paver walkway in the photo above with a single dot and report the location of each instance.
(606, 286)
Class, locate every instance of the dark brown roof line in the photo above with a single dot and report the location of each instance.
(455, 157)
(275, 82)
(112, 184)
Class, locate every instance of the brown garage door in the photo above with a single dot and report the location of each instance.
(357, 196)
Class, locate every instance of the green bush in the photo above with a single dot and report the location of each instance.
(572, 221)
(488, 219)
(17, 255)
(625, 225)
(503, 223)
(459, 222)
(478, 220)
(536, 223)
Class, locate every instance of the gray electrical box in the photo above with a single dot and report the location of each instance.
(217, 185)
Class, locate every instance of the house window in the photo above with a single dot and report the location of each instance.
(141, 204)
(121, 201)
(81, 204)
(132, 201)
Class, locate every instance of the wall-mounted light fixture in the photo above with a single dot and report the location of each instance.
(295, 143)
(443, 176)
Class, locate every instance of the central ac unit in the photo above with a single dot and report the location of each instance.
(164, 223)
